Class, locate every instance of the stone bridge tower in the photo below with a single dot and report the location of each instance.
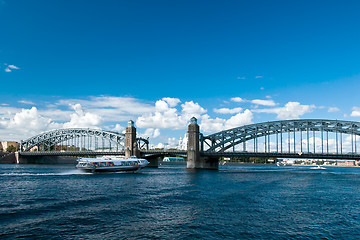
(193, 153)
(194, 158)
(131, 148)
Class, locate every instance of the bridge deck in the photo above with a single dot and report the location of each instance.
(69, 153)
(95, 153)
(210, 154)
(283, 155)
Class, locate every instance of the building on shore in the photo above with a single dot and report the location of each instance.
(182, 144)
(349, 163)
(5, 144)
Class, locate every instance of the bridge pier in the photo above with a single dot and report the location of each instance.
(194, 159)
(17, 158)
(153, 161)
(131, 148)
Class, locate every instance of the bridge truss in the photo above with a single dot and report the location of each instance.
(290, 136)
(79, 139)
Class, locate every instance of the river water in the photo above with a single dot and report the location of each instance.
(236, 202)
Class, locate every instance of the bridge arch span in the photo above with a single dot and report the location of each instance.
(80, 137)
(304, 129)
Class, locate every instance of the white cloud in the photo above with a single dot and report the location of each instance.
(173, 102)
(118, 128)
(172, 142)
(13, 67)
(191, 109)
(7, 112)
(237, 99)
(211, 125)
(151, 133)
(120, 104)
(59, 115)
(26, 102)
(218, 124)
(29, 119)
(333, 109)
(156, 133)
(228, 110)
(111, 108)
(10, 68)
(24, 123)
(165, 116)
(79, 119)
(111, 112)
(355, 112)
(162, 106)
(239, 119)
(259, 77)
(291, 110)
(269, 103)
(159, 145)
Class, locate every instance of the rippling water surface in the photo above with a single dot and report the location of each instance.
(236, 202)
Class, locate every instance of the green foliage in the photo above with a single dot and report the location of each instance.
(12, 148)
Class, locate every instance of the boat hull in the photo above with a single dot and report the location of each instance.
(111, 165)
(119, 169)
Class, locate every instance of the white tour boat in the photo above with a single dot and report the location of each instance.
(111, 164)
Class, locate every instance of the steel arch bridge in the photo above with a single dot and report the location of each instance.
(79, 139)
(290, 136)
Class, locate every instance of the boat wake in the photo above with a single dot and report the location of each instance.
(318, 168)
(71, 172)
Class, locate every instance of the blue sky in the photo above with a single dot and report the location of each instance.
(97, 63)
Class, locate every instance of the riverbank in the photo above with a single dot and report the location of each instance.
(6, 158)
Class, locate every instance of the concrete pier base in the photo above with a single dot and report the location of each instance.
(203, 163)
(153, 162)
